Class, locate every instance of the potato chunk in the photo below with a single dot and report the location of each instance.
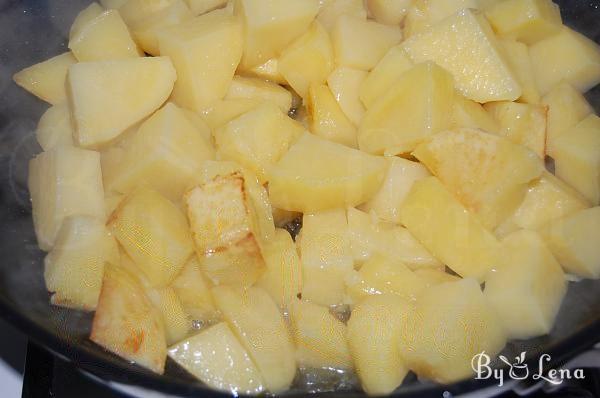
(326, 117)
(316, 174)
(345, 83)
(267, 71)
(217, 358)
(527, 290)
(517, 56)
(176, 322)
(127, 323)
(258, 89)
(54, 127)
(193, 289)
(423, 14)
(389, 12)
(331, 10)
(107, 97)
(224, 111)
(470, 114)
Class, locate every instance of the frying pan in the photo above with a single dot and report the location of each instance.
(32, 31)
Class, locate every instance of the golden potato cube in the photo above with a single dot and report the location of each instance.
(576, 157)
(319, 336)
(107, 97)
(373, 330)
(458, 239)
(488, 174)
(316, 174)
(258, 89)
(345, 85)
(528, 21)
(223, 111)
(389, 12)
(55, 128)
(268, 71)
(326, 117)
(127, 323)
(527, 289)
(154, 233)
(46, 80)
(517, 56)
(64, 181)
(331, 10)
(73, 269)
(470, 114)
(361, 44)
(326, 256)
(193, 289)
(568, 56)
(424, 14)
(258, 324)
(459, 44)
(85, 16)
(216, 357)
(384, 75)
(572, 240)
(420, 101)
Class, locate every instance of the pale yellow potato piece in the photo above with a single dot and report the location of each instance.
(326, 256)
(528, 21)
(435, 276)
(361, 44)
(384, 75)
(145, 160)
(282, 278)
(327, 119)
(205, 52)
(426, 13)
(488, 174)
(199, 7)
(469, 114)
(127, 323)
(257, 323)
(452, 322)
(389, 12)
(373, 331)
(175, 320)
(572, 240)
(401, 175)
(458, 239)
(258, 89)
(58, 180)
(345, 85)
(576, 157)
(198, 122)
(216, 357)
(320, 337)
(46, 80)
(85, 16)
(316, 174)
(55, 128)
(271, 25)
(517, 56)
(416, 106)
(154, 233)
(193, 290)
(107, 97)
(331, 10)
(568, 56)
(222, 112)
(268, 71)
(527, 290)
(73, 269)
(465, 45)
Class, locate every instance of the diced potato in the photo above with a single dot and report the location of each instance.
(424, 14)
(85, 16)
(527, 290)
(381, 275)
(373, 331)
(465, 45)
(283, 276)
(384, 75)
(331, 10)
(74, 268)
(54, 127)
(523, 124)
(256, 321)
(222, 112)
(46, 80)
(517, 56)
(198, 122)
(576, 157)
(107, 97)
(345, 85)
(58, 180)
(258, 89)
(390, 12)
(127, 323)
(435, 276)
(271, 25)
(326, 117)
(458, 239)
(216, 357)
(568, 56)
(257, 139)
(361, 44)
(175, 319)
(452, 322)
(369, 237)
(572, 240)
(470, 114)
(326, 256)
(420, 101)
(145, 160)
(401, 175)
(268, 71)
(154, 233)
(486, 173)
(566, 108)
(528, 21)
(316, 174)
(193, 289)
(200, 7)
(319, 336)
(205, 52)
